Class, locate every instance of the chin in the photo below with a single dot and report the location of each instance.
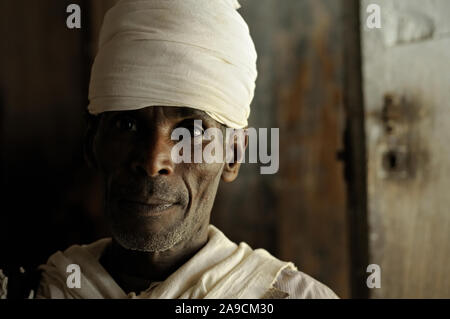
(148, 237)
(146, 243)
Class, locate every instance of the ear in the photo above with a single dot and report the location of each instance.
(88, 146)
(232, 165)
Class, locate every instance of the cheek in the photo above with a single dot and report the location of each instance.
(203, 180)
(110, 154)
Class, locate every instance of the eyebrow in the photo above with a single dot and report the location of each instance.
(189, 112)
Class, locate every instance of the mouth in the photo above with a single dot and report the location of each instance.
(155, 208)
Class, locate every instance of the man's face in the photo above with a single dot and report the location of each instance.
(151, 202)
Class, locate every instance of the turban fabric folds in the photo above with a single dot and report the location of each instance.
(192, 53)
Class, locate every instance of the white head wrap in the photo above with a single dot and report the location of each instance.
(192, 53)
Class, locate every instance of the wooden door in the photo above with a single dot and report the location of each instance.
(406, 67)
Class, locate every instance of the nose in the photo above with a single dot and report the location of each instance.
(155, 159)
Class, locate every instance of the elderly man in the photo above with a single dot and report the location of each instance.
(163, 65)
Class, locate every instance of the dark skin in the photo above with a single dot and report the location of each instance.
(159, 210)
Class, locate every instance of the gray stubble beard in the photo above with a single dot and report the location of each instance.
(155, 242)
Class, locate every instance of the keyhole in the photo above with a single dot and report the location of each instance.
(392, 161)
(395, 163)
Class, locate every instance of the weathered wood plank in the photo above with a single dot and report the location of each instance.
(407, 94)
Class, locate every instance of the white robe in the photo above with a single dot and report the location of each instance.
(221, 270)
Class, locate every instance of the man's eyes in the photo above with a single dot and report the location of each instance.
(126, 123)
(129, 124)
(197, 131)
(195, 127)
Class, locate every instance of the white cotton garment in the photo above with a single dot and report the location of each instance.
(221, 269)
(186, 53)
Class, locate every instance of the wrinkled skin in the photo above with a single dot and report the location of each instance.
(158, 210)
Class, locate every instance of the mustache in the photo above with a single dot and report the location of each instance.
(144, 188)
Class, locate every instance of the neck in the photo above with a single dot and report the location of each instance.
(136, 270)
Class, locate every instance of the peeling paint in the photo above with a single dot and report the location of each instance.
(407, 27)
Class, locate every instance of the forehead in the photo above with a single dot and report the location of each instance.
(167, 112)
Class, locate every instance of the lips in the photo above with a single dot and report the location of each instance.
(151, 208)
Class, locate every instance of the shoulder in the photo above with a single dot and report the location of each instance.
(53, 280)
(302, 286)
